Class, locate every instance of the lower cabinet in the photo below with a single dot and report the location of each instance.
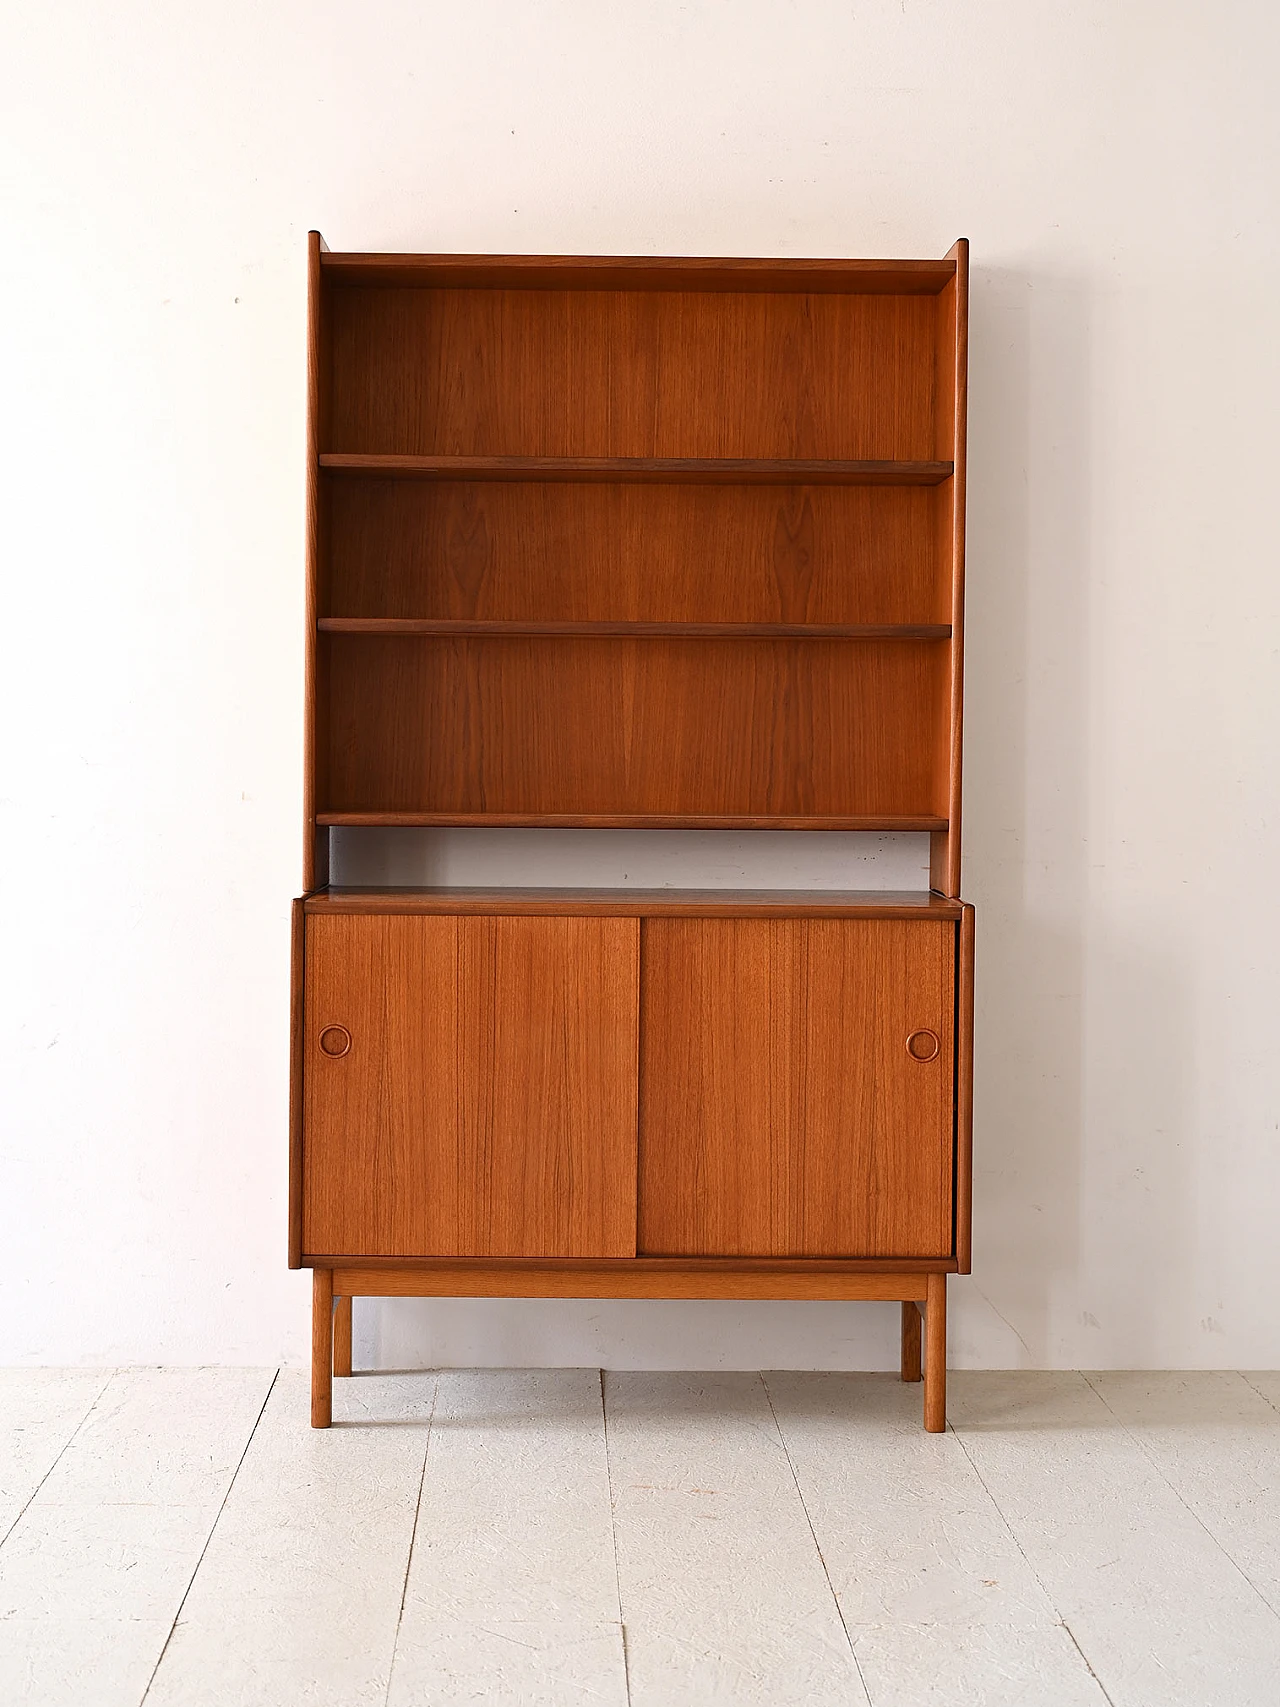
(569, 1087)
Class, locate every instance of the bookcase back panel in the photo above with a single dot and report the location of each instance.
(696, 728)
(632, 373)
(546, 552)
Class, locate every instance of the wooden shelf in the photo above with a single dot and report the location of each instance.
(620, 821)
(658, 470)
(643, 903)
(637, 272)
(446, 626)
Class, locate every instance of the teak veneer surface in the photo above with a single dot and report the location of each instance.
(486, 1105)
(619, 726)
(952, 429)
(910, 1352)
(582, 373)
(321, 1347)
(526, 552)
(297, 1047)
(935, 1355)
(315, 844)
(627, 1280)
(781, 1113)
(623, 541)
(342, 1326)
(913, 1268)
(964, 1091)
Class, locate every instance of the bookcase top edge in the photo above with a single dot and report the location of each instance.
(638, 272)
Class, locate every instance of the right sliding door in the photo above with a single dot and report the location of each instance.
(796, 1092)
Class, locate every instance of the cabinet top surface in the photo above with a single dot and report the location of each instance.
(740, 903)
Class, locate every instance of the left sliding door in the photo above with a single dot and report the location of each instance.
(470, 1086)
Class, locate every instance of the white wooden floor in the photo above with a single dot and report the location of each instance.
(182, 1537)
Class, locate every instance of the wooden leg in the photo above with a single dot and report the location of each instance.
(910, 1341)
(342, 1336)
(321, 1347)
(935, 1355)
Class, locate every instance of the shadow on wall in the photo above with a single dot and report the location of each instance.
(1064, 1118)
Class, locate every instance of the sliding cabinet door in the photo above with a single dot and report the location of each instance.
(469, 1086)
(796, 1087)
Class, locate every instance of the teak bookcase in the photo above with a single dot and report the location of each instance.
(634, 543)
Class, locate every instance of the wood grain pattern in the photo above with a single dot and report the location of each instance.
(641, 903)
(578, 373)
(780, 1111)
(315, 843)
(635, 542)
(321, 1347)
(521, 551)
(640, 272)
(935, 1355)
(964, 1093)
(631, 727)
(912, 1267)
(952, 429)
(296, 1056)
(487, 1106)
(342, 1336)
(910, 1342)
(644, 378)
(629, 1280)
(959, 327)
(381, 1122)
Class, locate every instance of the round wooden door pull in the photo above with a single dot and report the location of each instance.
(335, 1040)
(924, 1045)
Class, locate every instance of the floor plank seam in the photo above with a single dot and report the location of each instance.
(413, 1539)
(613, 1532)
(1190, 1510)
(1258, 1390)
(786, 1450)
(92, 1406)
(1088, 1663)
(1039, 1581)
(217, 1517)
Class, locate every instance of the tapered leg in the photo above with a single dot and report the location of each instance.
(935, 1355)
(342, 1336)
(910, 1340)
(321, 1347)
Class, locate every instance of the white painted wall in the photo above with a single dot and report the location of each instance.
(1115, 167)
